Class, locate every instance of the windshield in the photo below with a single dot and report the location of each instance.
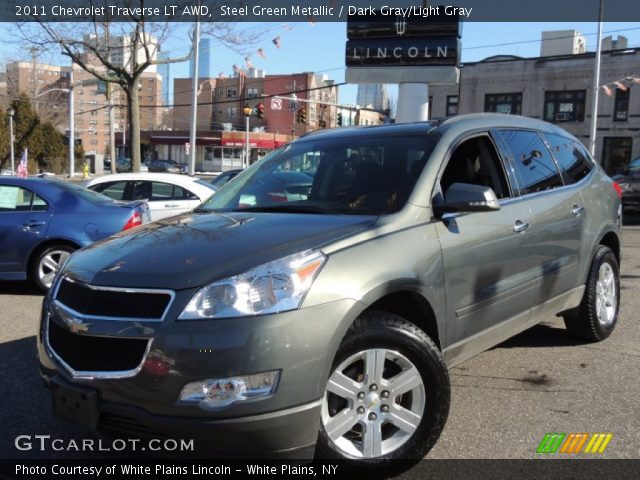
(355, 175)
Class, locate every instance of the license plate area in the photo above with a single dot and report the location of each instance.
(74, 403)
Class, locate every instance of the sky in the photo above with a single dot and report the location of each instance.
(320, 47)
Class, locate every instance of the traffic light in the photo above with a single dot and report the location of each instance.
(339, 121)
(301, 116)
(260, 110)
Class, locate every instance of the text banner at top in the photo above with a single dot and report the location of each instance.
(313, 10)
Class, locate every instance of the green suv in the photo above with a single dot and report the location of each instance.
(319, 317)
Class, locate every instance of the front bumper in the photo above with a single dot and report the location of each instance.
(300, 344)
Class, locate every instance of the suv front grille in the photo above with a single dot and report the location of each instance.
(85, 353)
(109, 302)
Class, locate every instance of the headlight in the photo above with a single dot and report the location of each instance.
(274, 287)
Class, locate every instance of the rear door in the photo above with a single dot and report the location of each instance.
(557, 212)
(486, 282)
(165, 199)
(24, 220)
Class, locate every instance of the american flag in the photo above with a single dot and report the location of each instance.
(276, 42)
(22, 166)
(260, 52)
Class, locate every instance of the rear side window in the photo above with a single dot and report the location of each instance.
(17, 199)
(536, 169)
(115, 190)
(571, 158)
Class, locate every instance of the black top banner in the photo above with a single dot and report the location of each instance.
(314, 10)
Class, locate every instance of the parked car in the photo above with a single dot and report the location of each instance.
(629, 181)
(123, 165)
(168, 166)
(167, 194)
(223, 178)
(330, 318)
(43, 221)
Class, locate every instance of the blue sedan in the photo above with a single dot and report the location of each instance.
(43, 221)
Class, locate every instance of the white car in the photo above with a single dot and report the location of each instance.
(167, 194)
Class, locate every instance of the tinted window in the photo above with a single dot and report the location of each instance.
(475, 161)
(570, 157)
(160, 192)
(115, 190)
(536, 169)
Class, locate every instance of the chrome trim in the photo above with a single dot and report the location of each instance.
(91, 375)
(71, 311)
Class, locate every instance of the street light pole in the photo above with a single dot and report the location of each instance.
(247, 113)
(596, 87)
(13, 166)
(72, 127)
(194, 96)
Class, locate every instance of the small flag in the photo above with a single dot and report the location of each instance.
(247, 61)
(260, 52)
(276, 41)
(22, 166)
(607, 90)
(621, 86)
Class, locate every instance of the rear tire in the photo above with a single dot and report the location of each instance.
(387, 396)
(597, 315)
(47, 264)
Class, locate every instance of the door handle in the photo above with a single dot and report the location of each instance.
(34, 223)
(577, 210)
(519, 227)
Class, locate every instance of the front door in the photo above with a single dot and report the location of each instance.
(486, 282)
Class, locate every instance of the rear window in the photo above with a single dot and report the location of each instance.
(571, 158)
(537, 171)
(85, 194)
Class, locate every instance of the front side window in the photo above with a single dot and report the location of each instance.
(565, 106)
(571, 158)
(510, 103)
(475, 161)
(357, 175)
(536, 169)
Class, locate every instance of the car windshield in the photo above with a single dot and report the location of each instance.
(354, 175)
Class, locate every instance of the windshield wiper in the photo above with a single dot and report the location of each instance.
(288, 208)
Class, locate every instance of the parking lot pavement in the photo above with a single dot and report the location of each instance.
(503, 401)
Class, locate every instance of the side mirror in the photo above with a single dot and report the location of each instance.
(465, 197)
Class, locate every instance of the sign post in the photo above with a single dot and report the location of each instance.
(412, 51)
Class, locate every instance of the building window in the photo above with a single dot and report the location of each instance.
(567, 106)
(503, 103)
(220, 92)
(232, 92)
(231, 112)
(252, 92)
(452, 105)
(621, 106)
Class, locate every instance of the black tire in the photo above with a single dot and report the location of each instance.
(382, 330)
(55, 251)
(584, 322)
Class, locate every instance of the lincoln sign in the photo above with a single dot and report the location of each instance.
(406, 41)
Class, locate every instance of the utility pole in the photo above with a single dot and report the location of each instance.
(112, 131)
(194, 96)
(72, 126)
(34, 76)
(596, 86)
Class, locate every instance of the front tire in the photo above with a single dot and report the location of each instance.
(387, 396)
(597, 315)
(47, 264)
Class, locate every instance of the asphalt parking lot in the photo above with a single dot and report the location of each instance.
(503, 401)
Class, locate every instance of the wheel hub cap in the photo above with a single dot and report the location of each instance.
(606, 295)
(373, 404)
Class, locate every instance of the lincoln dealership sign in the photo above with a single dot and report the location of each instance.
(404, 41)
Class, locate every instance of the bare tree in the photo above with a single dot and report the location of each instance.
(93, 47)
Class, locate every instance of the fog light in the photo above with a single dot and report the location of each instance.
(216, 393)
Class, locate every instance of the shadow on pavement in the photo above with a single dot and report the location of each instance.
(19, 288)
(541, 336)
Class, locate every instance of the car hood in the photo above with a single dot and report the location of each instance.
(194, 249)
